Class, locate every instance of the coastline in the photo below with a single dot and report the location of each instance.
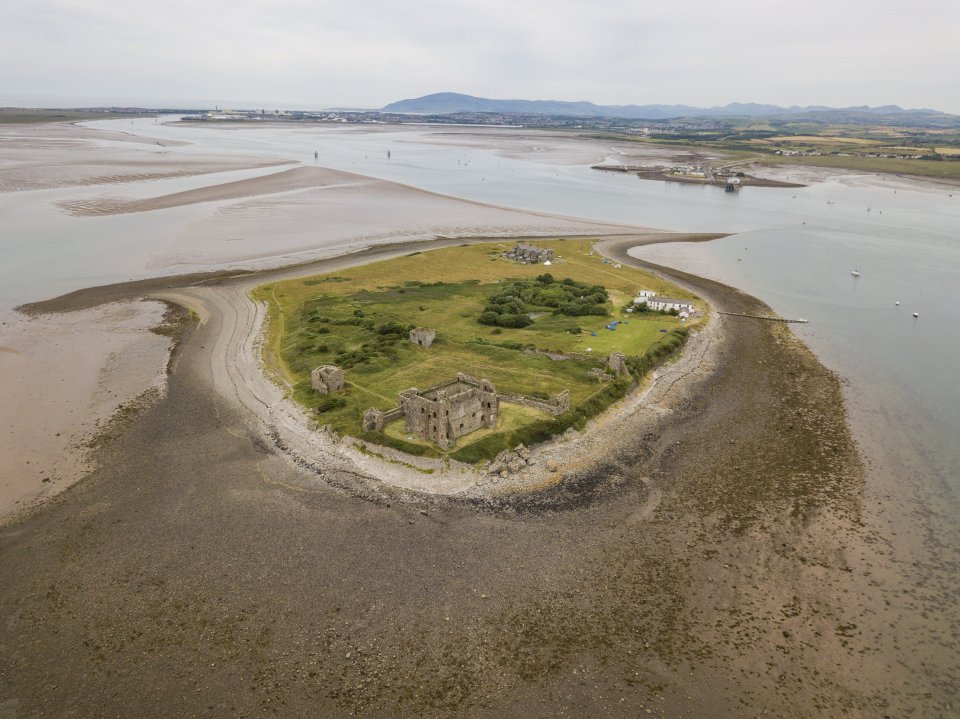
(69, 378)
(717, 555)
(648, 496)
(292, 431)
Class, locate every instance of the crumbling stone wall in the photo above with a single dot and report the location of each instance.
(558, 404)
(376, 419)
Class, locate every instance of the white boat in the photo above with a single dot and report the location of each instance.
(855, 273)
(916, 314)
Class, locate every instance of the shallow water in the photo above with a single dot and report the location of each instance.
(800, 245)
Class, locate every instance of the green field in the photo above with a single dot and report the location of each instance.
(842, 146)
(359, 319)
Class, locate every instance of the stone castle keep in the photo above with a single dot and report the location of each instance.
(443, 413)
(447, 411)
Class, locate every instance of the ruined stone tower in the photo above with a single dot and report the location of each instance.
(422, 336)
(326, 379)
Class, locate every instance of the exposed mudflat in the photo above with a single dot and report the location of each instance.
(716, 564)
(712, 552)
(39, 157)
(65, 376)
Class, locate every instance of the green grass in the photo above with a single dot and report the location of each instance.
(358, 319)
(855, 141)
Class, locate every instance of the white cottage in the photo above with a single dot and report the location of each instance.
(665, 304)
(644, 296)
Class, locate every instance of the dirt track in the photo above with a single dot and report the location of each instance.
(198, 573)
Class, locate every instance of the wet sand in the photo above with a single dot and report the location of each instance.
(716, 561)
(65, 377)
(298, 178)
(714, 564)
(52, 155)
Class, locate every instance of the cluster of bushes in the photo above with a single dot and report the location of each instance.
(657, 352)
(509, 307)
(418, 283)
(329, 402)
(359, 321)
(386, 336)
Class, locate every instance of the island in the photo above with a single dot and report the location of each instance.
(479, 349)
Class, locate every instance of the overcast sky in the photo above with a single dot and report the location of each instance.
(366, 53)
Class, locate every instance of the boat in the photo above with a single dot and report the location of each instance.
(916, 314)
(855, 273)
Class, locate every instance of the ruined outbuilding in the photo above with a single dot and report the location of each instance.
(422, 336)
(617, 362)
(327, 379)
(529, 254)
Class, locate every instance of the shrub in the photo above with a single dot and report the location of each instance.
(567, 297)
(516, 321)
(329, 402)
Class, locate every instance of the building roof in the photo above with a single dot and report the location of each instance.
(671, 301)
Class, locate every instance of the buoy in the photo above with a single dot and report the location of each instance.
(916, 314)
(897, 303)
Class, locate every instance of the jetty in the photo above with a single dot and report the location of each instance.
(764, 317)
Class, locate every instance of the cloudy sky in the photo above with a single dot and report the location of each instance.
(366, 53)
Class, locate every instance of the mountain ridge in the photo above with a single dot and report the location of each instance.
(453, 102)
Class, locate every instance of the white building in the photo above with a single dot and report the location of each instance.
(643, 296)
(665, 304)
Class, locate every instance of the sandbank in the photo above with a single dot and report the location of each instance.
(655, 571)
(65, 377)
(51, 155)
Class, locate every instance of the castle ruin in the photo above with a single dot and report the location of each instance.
(443, 413)
(447, 411)
(326, 379)
(422, 336)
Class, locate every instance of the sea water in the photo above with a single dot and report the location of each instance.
(793, 248)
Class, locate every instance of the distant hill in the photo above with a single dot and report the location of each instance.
(451, 102)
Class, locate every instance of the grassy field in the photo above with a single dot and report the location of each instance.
(853, 141)
(938, 169)
(19, 116)
(359, 318)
